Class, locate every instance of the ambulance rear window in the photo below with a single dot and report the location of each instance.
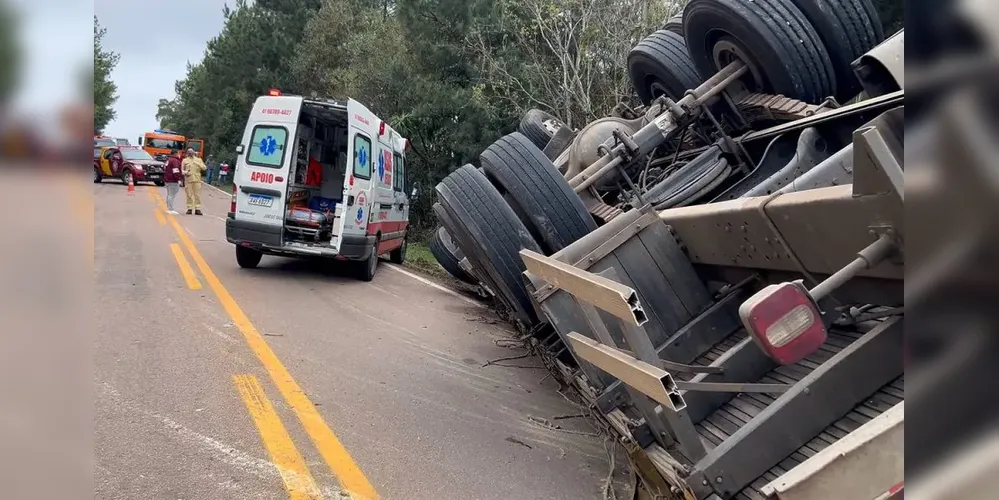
(267, 146)
(362, 157)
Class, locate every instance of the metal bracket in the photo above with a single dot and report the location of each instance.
(610, 296)
(877, 152)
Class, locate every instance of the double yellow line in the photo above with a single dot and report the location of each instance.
(295, 474)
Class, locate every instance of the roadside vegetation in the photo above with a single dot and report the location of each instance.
(451, 75)
(105, 90)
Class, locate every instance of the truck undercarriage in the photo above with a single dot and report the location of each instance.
(719, 273)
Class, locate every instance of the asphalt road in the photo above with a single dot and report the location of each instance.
(296, 380)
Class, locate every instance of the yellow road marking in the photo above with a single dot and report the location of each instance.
(159, 216)
(289, 462)
(333, 452)
(185, 268)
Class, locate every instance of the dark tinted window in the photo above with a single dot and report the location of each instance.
(152, 142)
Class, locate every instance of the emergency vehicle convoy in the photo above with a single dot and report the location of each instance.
(319, 178)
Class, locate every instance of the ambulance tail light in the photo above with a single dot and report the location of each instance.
(381, 128)
(274, 92)
(232, 206)
(784, 321)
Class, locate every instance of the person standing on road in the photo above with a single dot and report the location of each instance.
(193, 168)
(212, 168)
(173, 177)
(223, 173)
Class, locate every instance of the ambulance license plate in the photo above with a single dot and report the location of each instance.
(260, 200)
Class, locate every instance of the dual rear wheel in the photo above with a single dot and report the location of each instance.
(799, 48)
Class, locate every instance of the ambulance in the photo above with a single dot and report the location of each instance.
(319, 178)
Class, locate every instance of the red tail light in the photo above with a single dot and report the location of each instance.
(232, 206)
(381, 128)
(785, 322)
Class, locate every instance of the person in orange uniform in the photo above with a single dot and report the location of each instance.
(193, 168)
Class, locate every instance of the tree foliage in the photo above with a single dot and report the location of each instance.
(450, 75)
(105, 90)
(10, 56)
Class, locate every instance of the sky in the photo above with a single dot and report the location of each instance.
(154, 54)
(50, 73)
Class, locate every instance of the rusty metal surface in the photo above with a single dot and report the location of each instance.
(601, 211)
(824, 227)
(755, 107)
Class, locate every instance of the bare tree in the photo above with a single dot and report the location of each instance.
(568, 57)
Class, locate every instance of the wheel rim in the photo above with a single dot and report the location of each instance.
(551, 125)
(657, 89)
(97, 175)
(727, 50)
(126, 177)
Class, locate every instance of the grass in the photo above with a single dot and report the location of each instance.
(419, 258)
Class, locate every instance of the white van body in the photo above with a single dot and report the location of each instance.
(362, 190)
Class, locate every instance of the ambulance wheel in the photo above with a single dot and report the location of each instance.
(247, 258)
(491, 236)
(368, 266)
(552, 212)
(773, 38)
(97, 176)
(398, 256)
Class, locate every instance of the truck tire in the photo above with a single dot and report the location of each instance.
(247, 258)
(552, 212)
(848, 29)
(539, 127)
(674, 25)
(445, 258)
(491, 236)
(784, 53)
(659, 65)
(97, 176)
(449, 254)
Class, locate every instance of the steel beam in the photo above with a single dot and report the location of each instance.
(744, 362)
(646, 406)
(864, 464)
(703, 331)
(650, 380)
(797, 416)
(823, 227)
(607, 295)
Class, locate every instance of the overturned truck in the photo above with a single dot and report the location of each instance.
(719, 272)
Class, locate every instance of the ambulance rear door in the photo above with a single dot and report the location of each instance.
(354, 213)
(262, 169)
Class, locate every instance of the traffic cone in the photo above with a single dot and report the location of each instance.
(131, 185)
